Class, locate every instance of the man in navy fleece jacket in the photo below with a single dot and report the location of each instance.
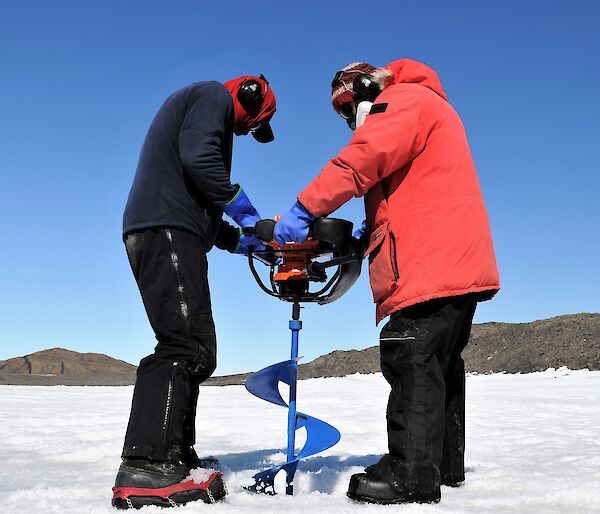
(172, 219)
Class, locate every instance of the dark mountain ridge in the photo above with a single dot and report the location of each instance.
(571, 340)
(58, 366)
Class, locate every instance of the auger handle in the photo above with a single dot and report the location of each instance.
(263, 230)
(320, 266)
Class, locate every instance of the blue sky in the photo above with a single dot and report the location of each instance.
(81, 82)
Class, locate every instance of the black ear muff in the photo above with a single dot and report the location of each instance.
(365, 88)
(250, 95)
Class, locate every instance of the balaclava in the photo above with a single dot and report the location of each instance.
(243, 120)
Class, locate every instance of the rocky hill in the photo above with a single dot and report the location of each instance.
(64, 367)
(571, 340)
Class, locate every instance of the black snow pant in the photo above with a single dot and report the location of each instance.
(171, 271)
(421, 359)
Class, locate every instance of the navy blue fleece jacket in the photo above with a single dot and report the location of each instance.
(183, 174)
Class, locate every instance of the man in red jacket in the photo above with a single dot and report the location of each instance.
(431, 259)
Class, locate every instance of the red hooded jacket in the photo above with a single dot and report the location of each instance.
(428, 226)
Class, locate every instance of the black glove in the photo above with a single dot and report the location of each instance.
(228, 237)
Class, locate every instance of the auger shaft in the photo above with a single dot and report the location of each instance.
(295, 327)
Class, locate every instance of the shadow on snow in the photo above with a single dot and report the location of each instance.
(323, 472)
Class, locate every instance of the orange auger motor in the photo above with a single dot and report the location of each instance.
(294, 266)
(294, 259)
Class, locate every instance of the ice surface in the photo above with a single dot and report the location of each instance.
(533, 445)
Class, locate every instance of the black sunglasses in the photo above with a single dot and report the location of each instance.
(347, 110)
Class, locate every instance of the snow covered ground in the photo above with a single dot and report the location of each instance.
(533, 445)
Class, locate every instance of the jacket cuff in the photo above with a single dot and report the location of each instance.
(312, 203)
(235, 196)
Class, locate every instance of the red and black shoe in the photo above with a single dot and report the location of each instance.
(142, 482)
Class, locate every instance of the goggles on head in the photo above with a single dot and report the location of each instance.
(337, 78)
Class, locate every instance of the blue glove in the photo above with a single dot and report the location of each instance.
(245, 242)
(362, 238)
(294, 225)
(361, 232)
(241, 210)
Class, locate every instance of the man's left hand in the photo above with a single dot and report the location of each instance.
(245, 242)
(360, 234)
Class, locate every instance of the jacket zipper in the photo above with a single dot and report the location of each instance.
(169, 403)
(393, 256)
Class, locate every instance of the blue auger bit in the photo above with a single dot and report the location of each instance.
(294, 267)
(319, 435)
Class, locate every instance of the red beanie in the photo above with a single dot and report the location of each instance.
(341, 87)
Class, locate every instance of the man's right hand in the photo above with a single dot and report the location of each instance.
(241, 210)
(294, 225)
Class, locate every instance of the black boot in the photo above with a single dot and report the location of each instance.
(369, 489)
(451, 481)
(142, 482)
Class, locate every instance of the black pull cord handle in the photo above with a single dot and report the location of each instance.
(263, 230)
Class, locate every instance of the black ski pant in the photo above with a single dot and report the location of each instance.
(421, 359)
(171, 271)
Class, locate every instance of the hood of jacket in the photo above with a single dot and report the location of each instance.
(414, 72)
